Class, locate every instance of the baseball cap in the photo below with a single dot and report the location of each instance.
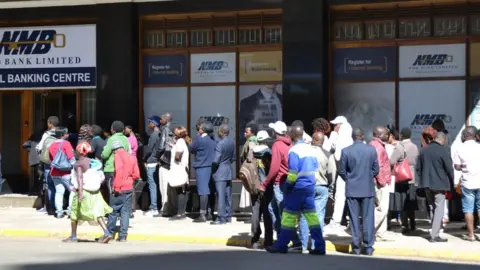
(339, 120)
(279, 127)
(262, 135)
(155, 120)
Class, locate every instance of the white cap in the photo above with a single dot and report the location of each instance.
(279, 127)
(262, 135)
(339, 120)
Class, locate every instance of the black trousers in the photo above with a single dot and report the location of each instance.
(259, 209)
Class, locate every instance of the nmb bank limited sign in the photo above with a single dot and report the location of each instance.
(48, 57)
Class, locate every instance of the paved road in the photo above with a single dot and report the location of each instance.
(42, 254)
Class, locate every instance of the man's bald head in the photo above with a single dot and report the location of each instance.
(381, 133)
(318, 138)
(297, 132)
(469, 133)
(358, 134)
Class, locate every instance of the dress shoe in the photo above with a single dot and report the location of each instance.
(354, 253)
(177, 217)
(200, 219)
(218, 222)
(438, 239)
(317, 252)
(273, 249)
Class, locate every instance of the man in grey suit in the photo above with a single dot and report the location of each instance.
(222, 174)
(359, 166)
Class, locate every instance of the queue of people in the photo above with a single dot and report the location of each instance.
(288, 174)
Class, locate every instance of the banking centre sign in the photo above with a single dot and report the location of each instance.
(48, 57)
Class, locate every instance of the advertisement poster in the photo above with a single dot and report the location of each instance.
(366, 105)
(165, 69)
(363, 64)
(259, 104)
(432, 61)
(160, 100)
(260, 66)
(421, 103)
(474, 117)
(48, 57)
(214, 104)
(475, 59)
(213, 68)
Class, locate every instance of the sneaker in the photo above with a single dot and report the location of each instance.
(122, 239)
(177, 217)
(295, 249)
(317, 252)
(151, 213)
(200, 219)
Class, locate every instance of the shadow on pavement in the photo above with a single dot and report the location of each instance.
(238, 259)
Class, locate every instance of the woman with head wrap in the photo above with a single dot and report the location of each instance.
(88, 205)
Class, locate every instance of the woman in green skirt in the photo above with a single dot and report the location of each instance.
(88, 203)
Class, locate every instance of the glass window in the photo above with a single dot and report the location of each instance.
(225, 37)
(249, 36)
(153, 39)
(450, 26)
(381, 29)
(348, 31)
(475, 25)
(272, 35)
(201, 38)
(89, 105)
(414, 28)
(176, 39)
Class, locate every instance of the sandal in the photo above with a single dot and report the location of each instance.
(70, 240)
(467, 238)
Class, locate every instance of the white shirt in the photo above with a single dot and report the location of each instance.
(268, 96)
(180, 147)
(307, 138)
(468, 155)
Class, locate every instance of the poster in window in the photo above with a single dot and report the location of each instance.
(363, 64)
(260, 105)
(474, 118)
(164, 69)
(260, 66)
(160, 100)
(214, 104)
(422, 61)
(366, 105)
(213, 68)
(421, 103)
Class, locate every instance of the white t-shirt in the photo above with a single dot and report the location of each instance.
(180, 147)
(468, 155)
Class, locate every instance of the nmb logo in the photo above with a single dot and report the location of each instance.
(432, 59)
(33, 42)
(427, 119)
(216, 120)
(212, 65)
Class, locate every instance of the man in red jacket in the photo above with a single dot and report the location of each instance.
(382, 180)
(278, 174)
(126, 172)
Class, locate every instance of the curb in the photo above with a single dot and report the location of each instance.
(442, 254)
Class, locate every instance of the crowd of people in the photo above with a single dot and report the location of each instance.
(288, 174)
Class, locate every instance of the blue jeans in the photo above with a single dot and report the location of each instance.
(224, 190)
(470, 200)
(47, 180)
(62, 184)
(152, 187)
(321, 198)
(276, 208)
(122, 205)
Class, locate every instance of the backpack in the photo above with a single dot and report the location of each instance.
(45, 152)
(60, 161)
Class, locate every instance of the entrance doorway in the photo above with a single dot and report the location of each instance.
(62, 104)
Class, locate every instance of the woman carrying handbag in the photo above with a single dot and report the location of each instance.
(405, 199)
(178, 173)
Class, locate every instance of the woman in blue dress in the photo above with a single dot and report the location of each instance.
(203, 147)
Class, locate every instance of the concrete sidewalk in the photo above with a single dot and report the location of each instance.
(25, 222)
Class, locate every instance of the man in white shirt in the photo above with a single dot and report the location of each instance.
(467, 160)
(340, 138)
